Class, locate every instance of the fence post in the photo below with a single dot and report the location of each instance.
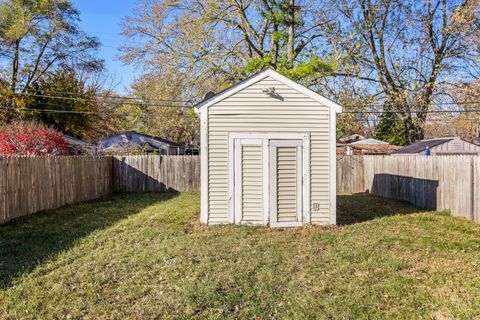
(472, 189)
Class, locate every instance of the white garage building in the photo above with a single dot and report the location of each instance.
(268, 154)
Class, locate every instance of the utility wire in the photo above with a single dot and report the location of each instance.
(113, 112)
(99, 113)
(96, 101)
(146, 104)
(173, 105)
(141, 100)
(428, 111)
(60, 94)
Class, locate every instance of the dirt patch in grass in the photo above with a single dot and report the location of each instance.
(150, 258)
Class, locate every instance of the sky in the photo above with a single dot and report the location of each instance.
(102, 18)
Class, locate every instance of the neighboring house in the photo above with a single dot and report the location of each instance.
(476, 141)
(192, 150)
(441, 146)
(366, 147)
(368, 141)
(351, 138)
(371, 149)
(268, 154)
(79, 147)
(131, 140)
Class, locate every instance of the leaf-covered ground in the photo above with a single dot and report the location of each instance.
(144, 256)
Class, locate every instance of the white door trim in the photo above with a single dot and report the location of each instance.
(204, 172)
(333, 167)
(274, 144)
(266, 137)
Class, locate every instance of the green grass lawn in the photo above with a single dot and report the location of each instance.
(144, 256)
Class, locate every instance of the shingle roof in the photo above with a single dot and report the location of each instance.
(375, 148)
(120, 141)
(422, 145)
(368, 141)
(72, 141)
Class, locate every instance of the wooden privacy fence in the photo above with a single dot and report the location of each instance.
(156, 173)
(32, 184)
(29, 185)
(437, 182)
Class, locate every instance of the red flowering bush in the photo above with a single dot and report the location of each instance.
(28, 138)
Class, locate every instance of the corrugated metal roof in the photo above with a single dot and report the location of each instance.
(422, 145)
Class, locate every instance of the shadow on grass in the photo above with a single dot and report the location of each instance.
(29, 241)
(363, 207)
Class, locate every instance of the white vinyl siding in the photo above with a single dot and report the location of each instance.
(250, 110)
(252, 184)
(287, 205)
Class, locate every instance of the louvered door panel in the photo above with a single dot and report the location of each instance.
(252, 183)
(287, 184)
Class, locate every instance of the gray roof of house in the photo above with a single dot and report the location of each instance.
(369, 141)
(422, 145)
(74, 142)
(129, 138)
(351, 138)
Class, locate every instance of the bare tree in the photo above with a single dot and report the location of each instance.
(406, 49)
(205, 41)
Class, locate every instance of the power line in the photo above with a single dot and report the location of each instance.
(50, 111)
(125, 113)
(60, 94)
(119, 97)
(143, 104)
(99, 113)
(146, 104)
(428, 111)
(436, 120)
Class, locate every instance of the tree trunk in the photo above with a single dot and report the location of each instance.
(15, 64)
(15, 67)
(274, 53)
(414, 129)
(291, 33)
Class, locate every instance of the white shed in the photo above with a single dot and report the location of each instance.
(268, 154)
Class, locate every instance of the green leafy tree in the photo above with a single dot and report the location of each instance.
(77, 113)
(390, 130)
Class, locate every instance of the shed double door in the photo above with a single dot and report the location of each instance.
(268, 182)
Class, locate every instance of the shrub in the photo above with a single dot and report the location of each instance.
(29, 138)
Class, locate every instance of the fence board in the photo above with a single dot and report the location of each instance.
(438, 182)
(32, 184)
(153, 173)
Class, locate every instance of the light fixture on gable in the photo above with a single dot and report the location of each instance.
(269, 91)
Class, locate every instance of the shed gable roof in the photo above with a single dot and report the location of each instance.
(260, 76)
